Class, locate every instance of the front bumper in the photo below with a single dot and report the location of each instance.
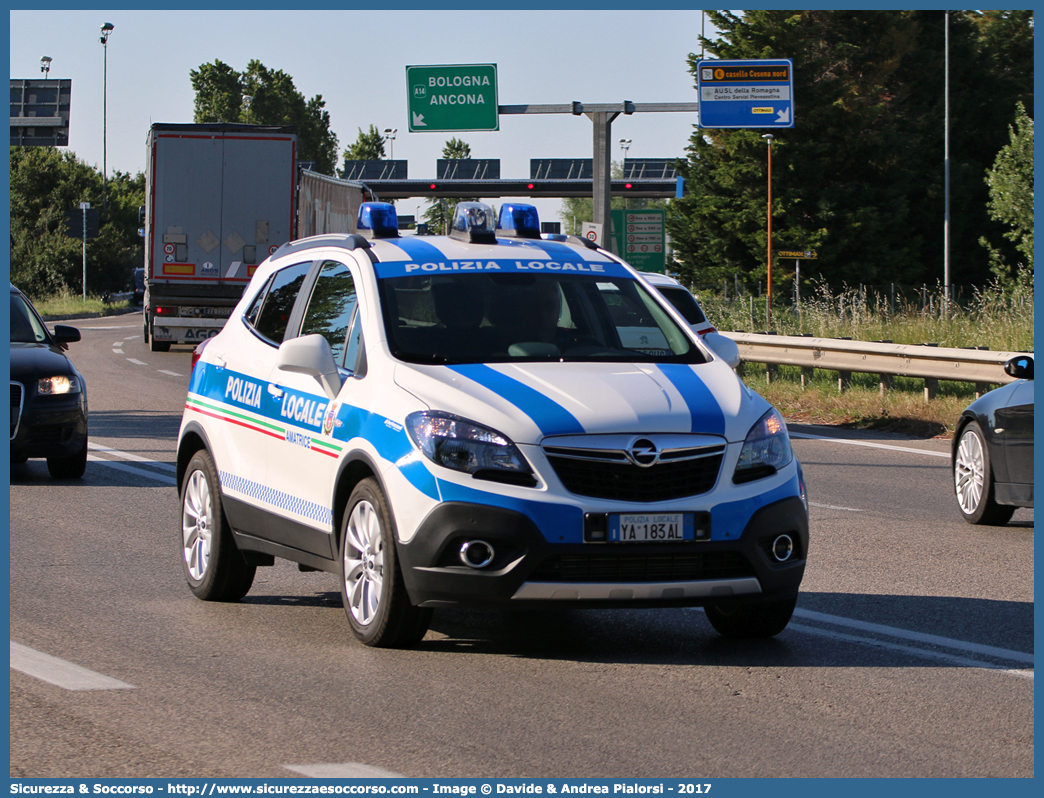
(51, 426)
(528, 570)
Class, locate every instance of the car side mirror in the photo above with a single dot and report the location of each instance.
(724, 347)
(1021, 367)
(64, 334)
(311, 355)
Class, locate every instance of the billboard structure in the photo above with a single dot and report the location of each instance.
(40, 113)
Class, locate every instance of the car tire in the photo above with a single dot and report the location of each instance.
(765, 619)
(213, 566)
(973, 480)
(71, 467)
(372, 588)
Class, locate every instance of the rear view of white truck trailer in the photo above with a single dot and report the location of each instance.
(219, 199)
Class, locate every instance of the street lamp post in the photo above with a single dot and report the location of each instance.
(625, 145)
(247, 99)
(768, 313)
(45, 66)
(946, 170)
(389, 136)
(106, 29)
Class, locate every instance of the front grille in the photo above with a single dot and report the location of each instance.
(50, 433)
(16, 407)
(604, 566)
(623, 481)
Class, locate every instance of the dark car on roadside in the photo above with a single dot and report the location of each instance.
(139, 288)
(992, 456)
(48, 394)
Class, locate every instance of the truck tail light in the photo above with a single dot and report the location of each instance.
(166, 310)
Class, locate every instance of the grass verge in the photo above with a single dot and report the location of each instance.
(902, 409)
(66, 306)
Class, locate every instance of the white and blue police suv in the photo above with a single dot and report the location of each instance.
(486, 418)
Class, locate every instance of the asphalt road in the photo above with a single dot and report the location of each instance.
(910, 654)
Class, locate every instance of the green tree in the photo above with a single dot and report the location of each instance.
(577, 210)
(47, 183)
(368, 147)
(860, 177)
(1010, 183)
(274, 101)
(439, 212)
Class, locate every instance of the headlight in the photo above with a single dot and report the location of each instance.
(455, 443)
(50, 386)
(766, 449)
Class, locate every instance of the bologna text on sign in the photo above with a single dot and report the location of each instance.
(452, 98)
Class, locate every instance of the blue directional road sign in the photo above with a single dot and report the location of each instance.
(746, 93)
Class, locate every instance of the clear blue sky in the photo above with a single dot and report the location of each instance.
(356, 60)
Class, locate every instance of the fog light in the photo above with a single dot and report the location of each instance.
(476, 554)
(782, 548)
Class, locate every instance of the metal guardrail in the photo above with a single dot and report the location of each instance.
(930, 363)
(115, 299)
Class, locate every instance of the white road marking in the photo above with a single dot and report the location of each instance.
(118, 344)
(920, 637)
(928, 650)
(171, 373)
(136, 362)
(834, 507)
(344, 770)
(59, 672)
(82, 326)
(870, 445)
(134, 458)
(141, 472)
(117, 351)
(941, 656)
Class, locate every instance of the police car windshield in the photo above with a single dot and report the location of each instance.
(512, 317)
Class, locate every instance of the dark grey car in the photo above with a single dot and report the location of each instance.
(992, 453)
(48, 394)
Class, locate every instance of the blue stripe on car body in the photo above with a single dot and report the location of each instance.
(549, 416)
(418, 249)
(388, 437)
(442, 264)
(558, 523)
(705, 413)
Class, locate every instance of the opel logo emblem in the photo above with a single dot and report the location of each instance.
(643, 453)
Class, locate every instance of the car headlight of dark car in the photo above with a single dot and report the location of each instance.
(57, 385)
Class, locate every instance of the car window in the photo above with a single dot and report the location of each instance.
(25, 326)
(355, 355)
(511, 316)
(271, 316)
(330, 307)
(684, 302)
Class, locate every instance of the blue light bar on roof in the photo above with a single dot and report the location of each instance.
(518, 220)
(378, 220)
(474, 222)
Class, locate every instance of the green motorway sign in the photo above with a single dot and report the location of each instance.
(452, 98)
(640, 238)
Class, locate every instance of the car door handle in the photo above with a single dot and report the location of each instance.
(275, 390)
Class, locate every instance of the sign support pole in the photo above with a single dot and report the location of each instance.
(768, 315)
(602, 172)
(602, 116)
(84, 206)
